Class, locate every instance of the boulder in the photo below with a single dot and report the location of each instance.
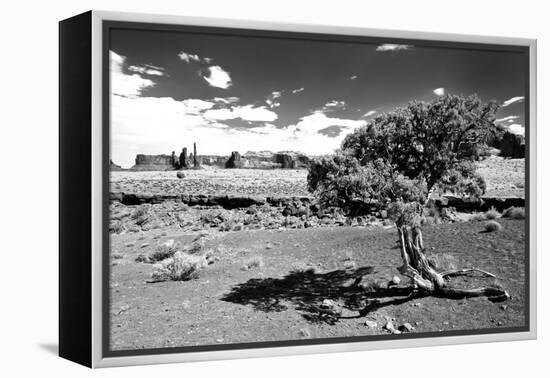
(180, 174)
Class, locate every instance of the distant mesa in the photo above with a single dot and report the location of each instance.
(511, 145)
(250, 160)
(234, 160)
(153, 163)
(115, 167)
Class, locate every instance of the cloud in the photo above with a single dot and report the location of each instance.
(251, 113)
(124, 84)
(333, 105)
(227, 100)
(217, 77)
(517, 129)
(507, 119)
(272, 97)
(297, 90)
(393, 47)
(219, 114)
(369, 113)
(318, 121)
(196, 106)
(513, 100)
(246, 113)
(151, 125)
(353, 77)
(439, 91)
(188, 58)
(147, 70)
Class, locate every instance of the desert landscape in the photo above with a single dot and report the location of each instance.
(309, 191)
(272, 265)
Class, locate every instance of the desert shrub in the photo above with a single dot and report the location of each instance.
(164, 251)
(179, 267)
(140, 215)
(478, 217)
(139, 212)
(195, 247)
(253, 262)
(492, 226)
(514, 213)
(492, 213)
(428, 220)
(116, 227)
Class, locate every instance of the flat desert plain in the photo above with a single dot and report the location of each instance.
(272, 271)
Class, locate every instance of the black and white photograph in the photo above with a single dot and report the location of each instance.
(278, 188)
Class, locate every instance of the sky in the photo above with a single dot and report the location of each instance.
(242, 93)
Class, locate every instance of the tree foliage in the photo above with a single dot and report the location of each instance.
(399, 157)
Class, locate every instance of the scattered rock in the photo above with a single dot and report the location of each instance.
(328, 304)
(394, 281)
(180, 174)
(389, 326)
(371, 324)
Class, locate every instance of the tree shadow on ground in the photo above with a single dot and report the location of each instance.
(306, 290)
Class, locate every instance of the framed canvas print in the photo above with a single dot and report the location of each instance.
(235, 189)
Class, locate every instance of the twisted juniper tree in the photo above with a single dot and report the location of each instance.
(399, 158)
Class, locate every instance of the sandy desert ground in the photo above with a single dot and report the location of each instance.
(271, 268)
(277, 299)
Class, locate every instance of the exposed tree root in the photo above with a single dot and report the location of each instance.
(464, 272)
(427, 280)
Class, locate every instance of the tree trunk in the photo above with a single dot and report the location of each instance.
(427, 279)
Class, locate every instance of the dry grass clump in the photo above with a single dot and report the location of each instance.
(478, 217)
(253, 262)
(179, 267)
(492, 226)
(116, 227)
(514, 213)
(164, 251)
(492, 213)
(140, 215)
